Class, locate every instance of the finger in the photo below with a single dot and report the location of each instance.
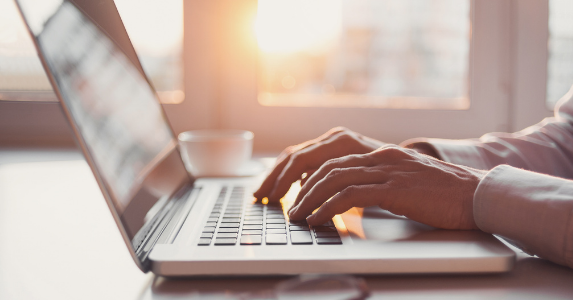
(298, 164)
(268, 183)
(312, 157)
(283, 158)
(348, 161)
(352, 196)
(306, 176)
(336, 181)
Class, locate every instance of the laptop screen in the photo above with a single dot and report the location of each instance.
(112, 108)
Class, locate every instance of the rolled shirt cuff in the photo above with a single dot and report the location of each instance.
(531, 209)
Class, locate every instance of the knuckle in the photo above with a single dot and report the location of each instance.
(334, 173)
(333, 162)
(339, 129)
(296, 158)
(394, 151)
(349, 192)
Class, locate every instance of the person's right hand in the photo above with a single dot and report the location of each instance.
(307, 157)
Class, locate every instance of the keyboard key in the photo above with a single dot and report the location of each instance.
(215, 215)
(204, 242)
(255, 206)
(253, 222)
(233, 211)
(231, 215)
(249, 218)
(226, 235)
(326, 234)
(275, 226)
(254, 213)
(328, 241)
(300, 238)
(276, 239)
(207, 235)
(228, 230)
(229, 225)
(275, 221)
(248, 232)
(210, 229)
(324, 229)
(275, 231)
(211, 224)
(298, 228)
(212, 219)
(225, 241)
(251, 240)
(276, 217)
(231, 220)
(249, 227)
(329, 224)
(300, 223)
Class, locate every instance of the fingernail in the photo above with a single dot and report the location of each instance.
(310, 218)
(291, 211)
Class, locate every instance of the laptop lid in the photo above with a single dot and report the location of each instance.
(112, 109)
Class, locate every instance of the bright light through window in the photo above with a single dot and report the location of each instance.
(383, 53)
(560, 62)
(154, 27)
(156, 30)
(20, 68)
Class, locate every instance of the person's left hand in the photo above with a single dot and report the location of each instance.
(399, 180)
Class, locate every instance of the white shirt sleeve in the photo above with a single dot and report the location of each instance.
(533, 210)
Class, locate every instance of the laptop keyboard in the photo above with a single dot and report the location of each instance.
(234, 221)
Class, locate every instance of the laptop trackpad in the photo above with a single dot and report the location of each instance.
(376, 224)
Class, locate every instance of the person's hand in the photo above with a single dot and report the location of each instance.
(305, 158)
(399, 180)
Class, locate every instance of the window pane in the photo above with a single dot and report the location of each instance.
(155, 28)
(560, 62)
(20, 68)
(385, 53)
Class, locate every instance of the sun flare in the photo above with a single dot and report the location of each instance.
(286, 26)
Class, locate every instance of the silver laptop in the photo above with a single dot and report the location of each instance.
(177, 225)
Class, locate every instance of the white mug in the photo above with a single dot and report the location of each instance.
(215, 152)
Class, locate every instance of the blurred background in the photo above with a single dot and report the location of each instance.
(352, 63)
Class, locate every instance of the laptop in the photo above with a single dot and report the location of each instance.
(177, 225)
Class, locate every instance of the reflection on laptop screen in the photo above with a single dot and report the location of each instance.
(113, 108)
(117, 113)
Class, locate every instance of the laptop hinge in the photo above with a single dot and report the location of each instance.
(157, 225)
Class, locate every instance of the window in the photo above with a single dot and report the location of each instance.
(156, 32)
(475, 55)
(155, 29)
(20, 68)
(377, 53)
(560, 60)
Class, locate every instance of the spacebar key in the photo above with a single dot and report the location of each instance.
(300, 237)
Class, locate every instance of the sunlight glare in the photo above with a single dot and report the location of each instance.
(286, 26)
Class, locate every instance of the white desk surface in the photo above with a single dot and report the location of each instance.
(58, 241)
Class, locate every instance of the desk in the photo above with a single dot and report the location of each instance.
(59, 241)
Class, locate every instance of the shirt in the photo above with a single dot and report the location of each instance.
(527, 196)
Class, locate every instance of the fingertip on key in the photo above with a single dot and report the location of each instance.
(310, 219)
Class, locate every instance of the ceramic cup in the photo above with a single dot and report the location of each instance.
(217, 152)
